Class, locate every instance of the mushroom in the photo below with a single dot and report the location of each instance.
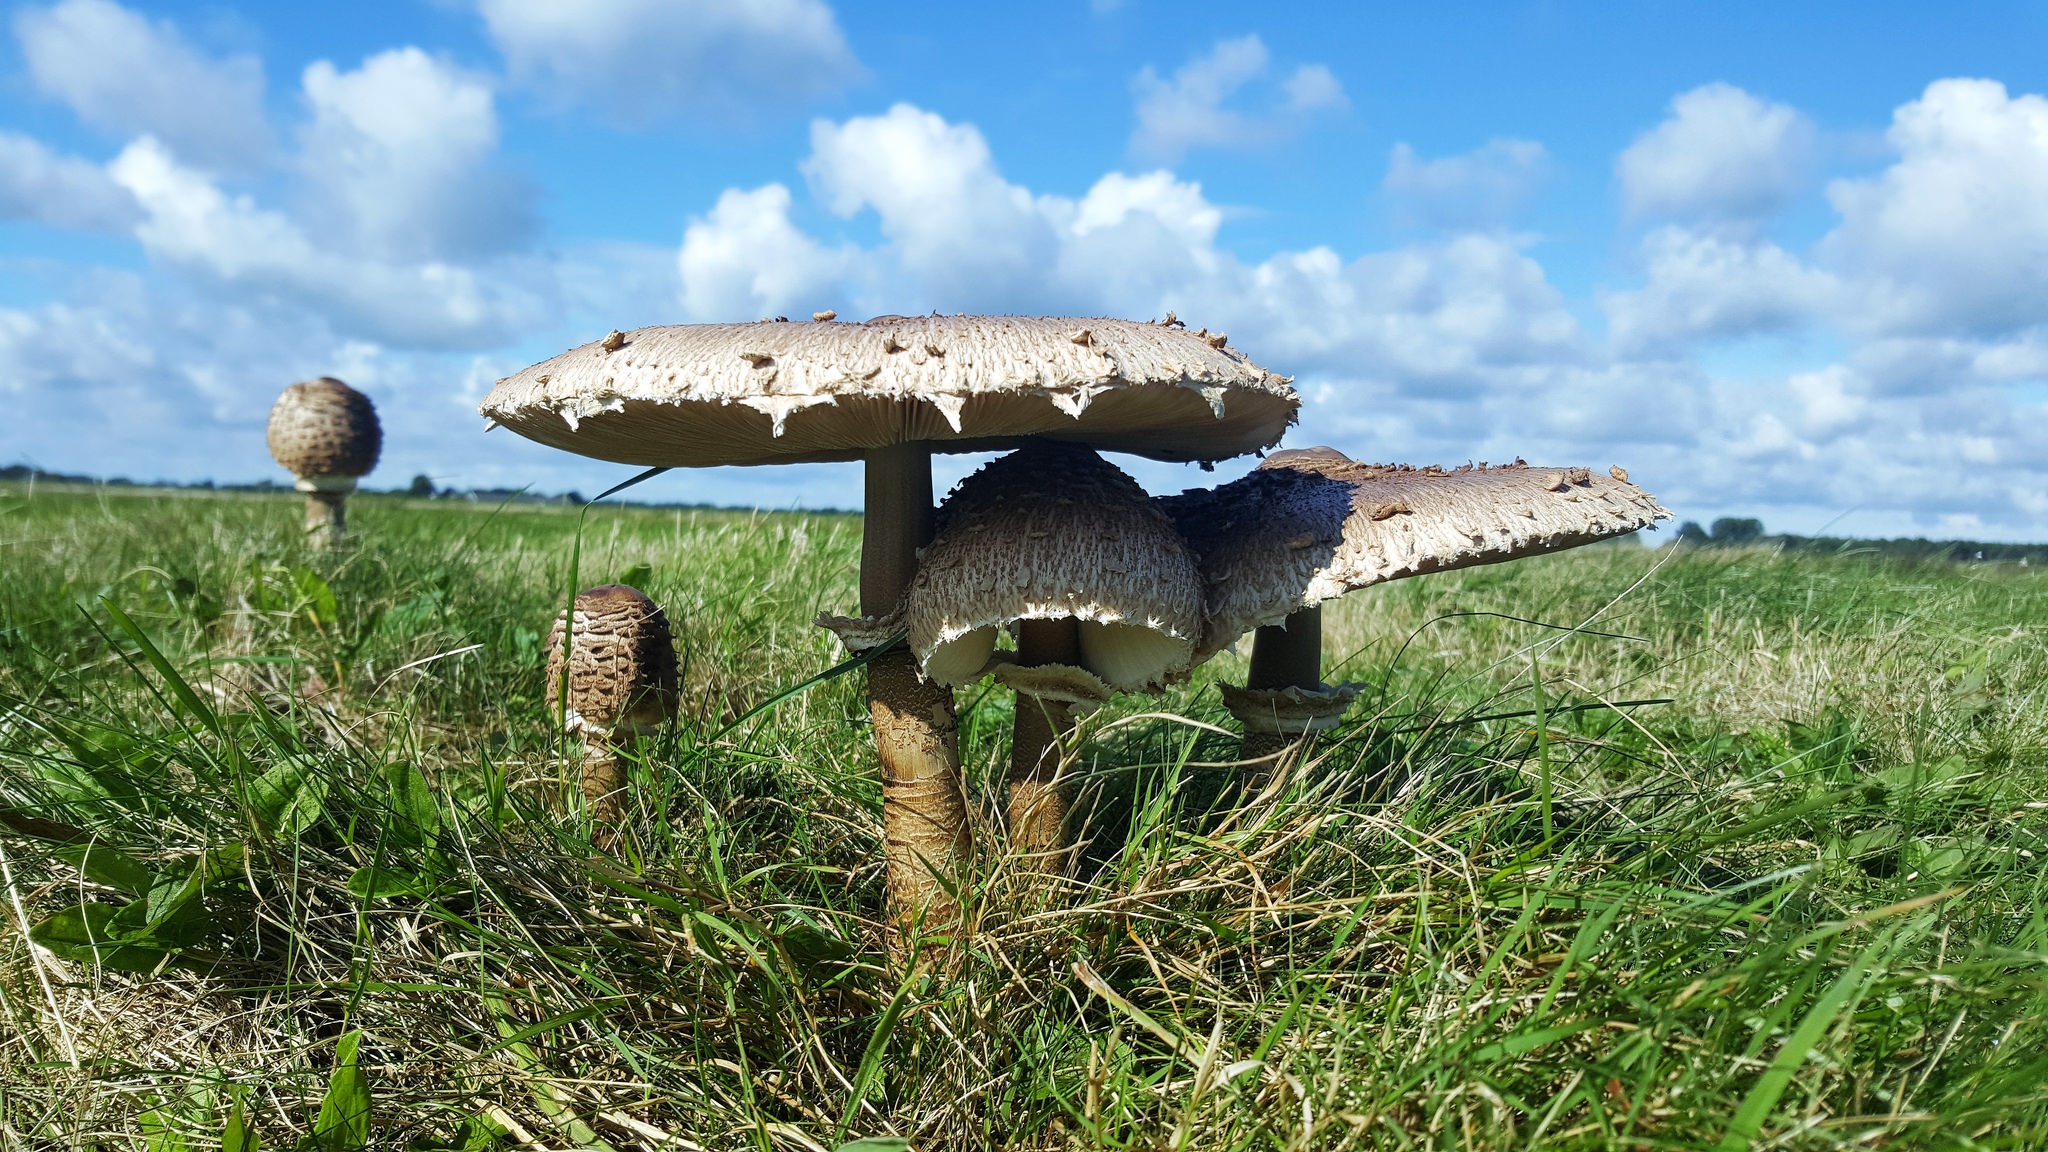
(325, 433)
(1104, 596)
(889, 392)
(1309, 525)
(621, 684)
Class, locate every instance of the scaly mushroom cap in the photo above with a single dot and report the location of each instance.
(1310, 525)
(622, 663)
(1048, 532)
(782, 393)
(324, 430)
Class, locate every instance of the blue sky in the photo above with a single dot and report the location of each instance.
(1777, 260)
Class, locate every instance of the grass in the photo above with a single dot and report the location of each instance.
(308, 817)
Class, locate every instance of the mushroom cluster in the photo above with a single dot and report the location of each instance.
(325, 433)
(1103, 589)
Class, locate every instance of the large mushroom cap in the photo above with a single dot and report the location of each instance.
(1310, 525)
(1049, 532)
(621, 662)
(323, 429)
(780, 393)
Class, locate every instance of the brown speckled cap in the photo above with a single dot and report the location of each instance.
(621, 660)
(1054, 531)
(1310, 525)
(324, 430)
(780, 392)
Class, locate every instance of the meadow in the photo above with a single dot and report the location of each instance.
(1620, 848)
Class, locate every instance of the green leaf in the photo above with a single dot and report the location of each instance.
(286, 799)
(1764, 1095)
(413, 804)
(343, 1124)
(87, 934)
(238, 1135)
(160, 1132)
(638, 576)
(104, 865)
(478, 1133)
(375, 883)
(313, 596)
(875, 1144)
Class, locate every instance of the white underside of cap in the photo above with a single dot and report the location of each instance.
(325, 484)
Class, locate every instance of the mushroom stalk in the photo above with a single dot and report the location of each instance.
(604, 782)
(924, 809)
(326, 518)
(1284, 655)
(1038, 802)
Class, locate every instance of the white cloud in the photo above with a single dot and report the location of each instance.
(644, 61)
(121, 72)
(397, 160)
(61, 191)
(1723, 155)
(191, 224)
(747, 260)
(1482, 188)
(1703, 285)
(1957, 229)
(1188, 111)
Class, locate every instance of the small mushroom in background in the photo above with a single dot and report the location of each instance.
(326, 434)
(889, 392)
(620, 661)
(1058, 543)
(1309, 525)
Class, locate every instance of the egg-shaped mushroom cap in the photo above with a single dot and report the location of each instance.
(1048, 532)
(1308, 527)
(778, 392)
(621, 660)
(321, 429)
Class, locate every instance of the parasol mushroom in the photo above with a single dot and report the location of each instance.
(1309, 525)
(1058, 543)
(889, 392)
(324, 433)
(620, 662)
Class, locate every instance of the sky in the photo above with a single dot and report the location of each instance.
(1777, 260)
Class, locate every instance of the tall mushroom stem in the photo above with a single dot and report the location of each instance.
(326, 503)
(1284, 655)
(1038, 801)
(924, 808)
(604, 781)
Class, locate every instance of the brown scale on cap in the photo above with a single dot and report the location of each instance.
(621, 662)
(1064, 547)
(326, 434)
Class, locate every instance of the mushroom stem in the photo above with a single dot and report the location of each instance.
(1284, 655)
(924, 808)
(326, 521)
(604, 782)
(1038, 802)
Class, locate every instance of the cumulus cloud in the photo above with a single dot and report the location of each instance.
(1722, 155)
(61, 191)
(1957, 228)
(645, 61)
(398, 160)
(1191, 108)
(1702, 285)
(745, 259)
(121, 72)
(1482, 188)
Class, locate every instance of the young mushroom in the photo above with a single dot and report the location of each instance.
(325, 433)
(1309, 525)
(620, 684)
(1104, 596)
(890, 392)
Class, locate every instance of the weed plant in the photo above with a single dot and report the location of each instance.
(1619, 849)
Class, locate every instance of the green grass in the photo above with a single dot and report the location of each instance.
(310, 813)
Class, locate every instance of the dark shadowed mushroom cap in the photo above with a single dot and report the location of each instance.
(621, 660)
(1049, 532)
(1308, 526)
(777, 392)
(323, 429)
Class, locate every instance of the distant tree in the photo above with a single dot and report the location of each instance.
(572, 498)
(1732, 530)
(1691, 533)
(422, 486)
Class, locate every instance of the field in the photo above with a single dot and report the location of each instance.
(1619, 849)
